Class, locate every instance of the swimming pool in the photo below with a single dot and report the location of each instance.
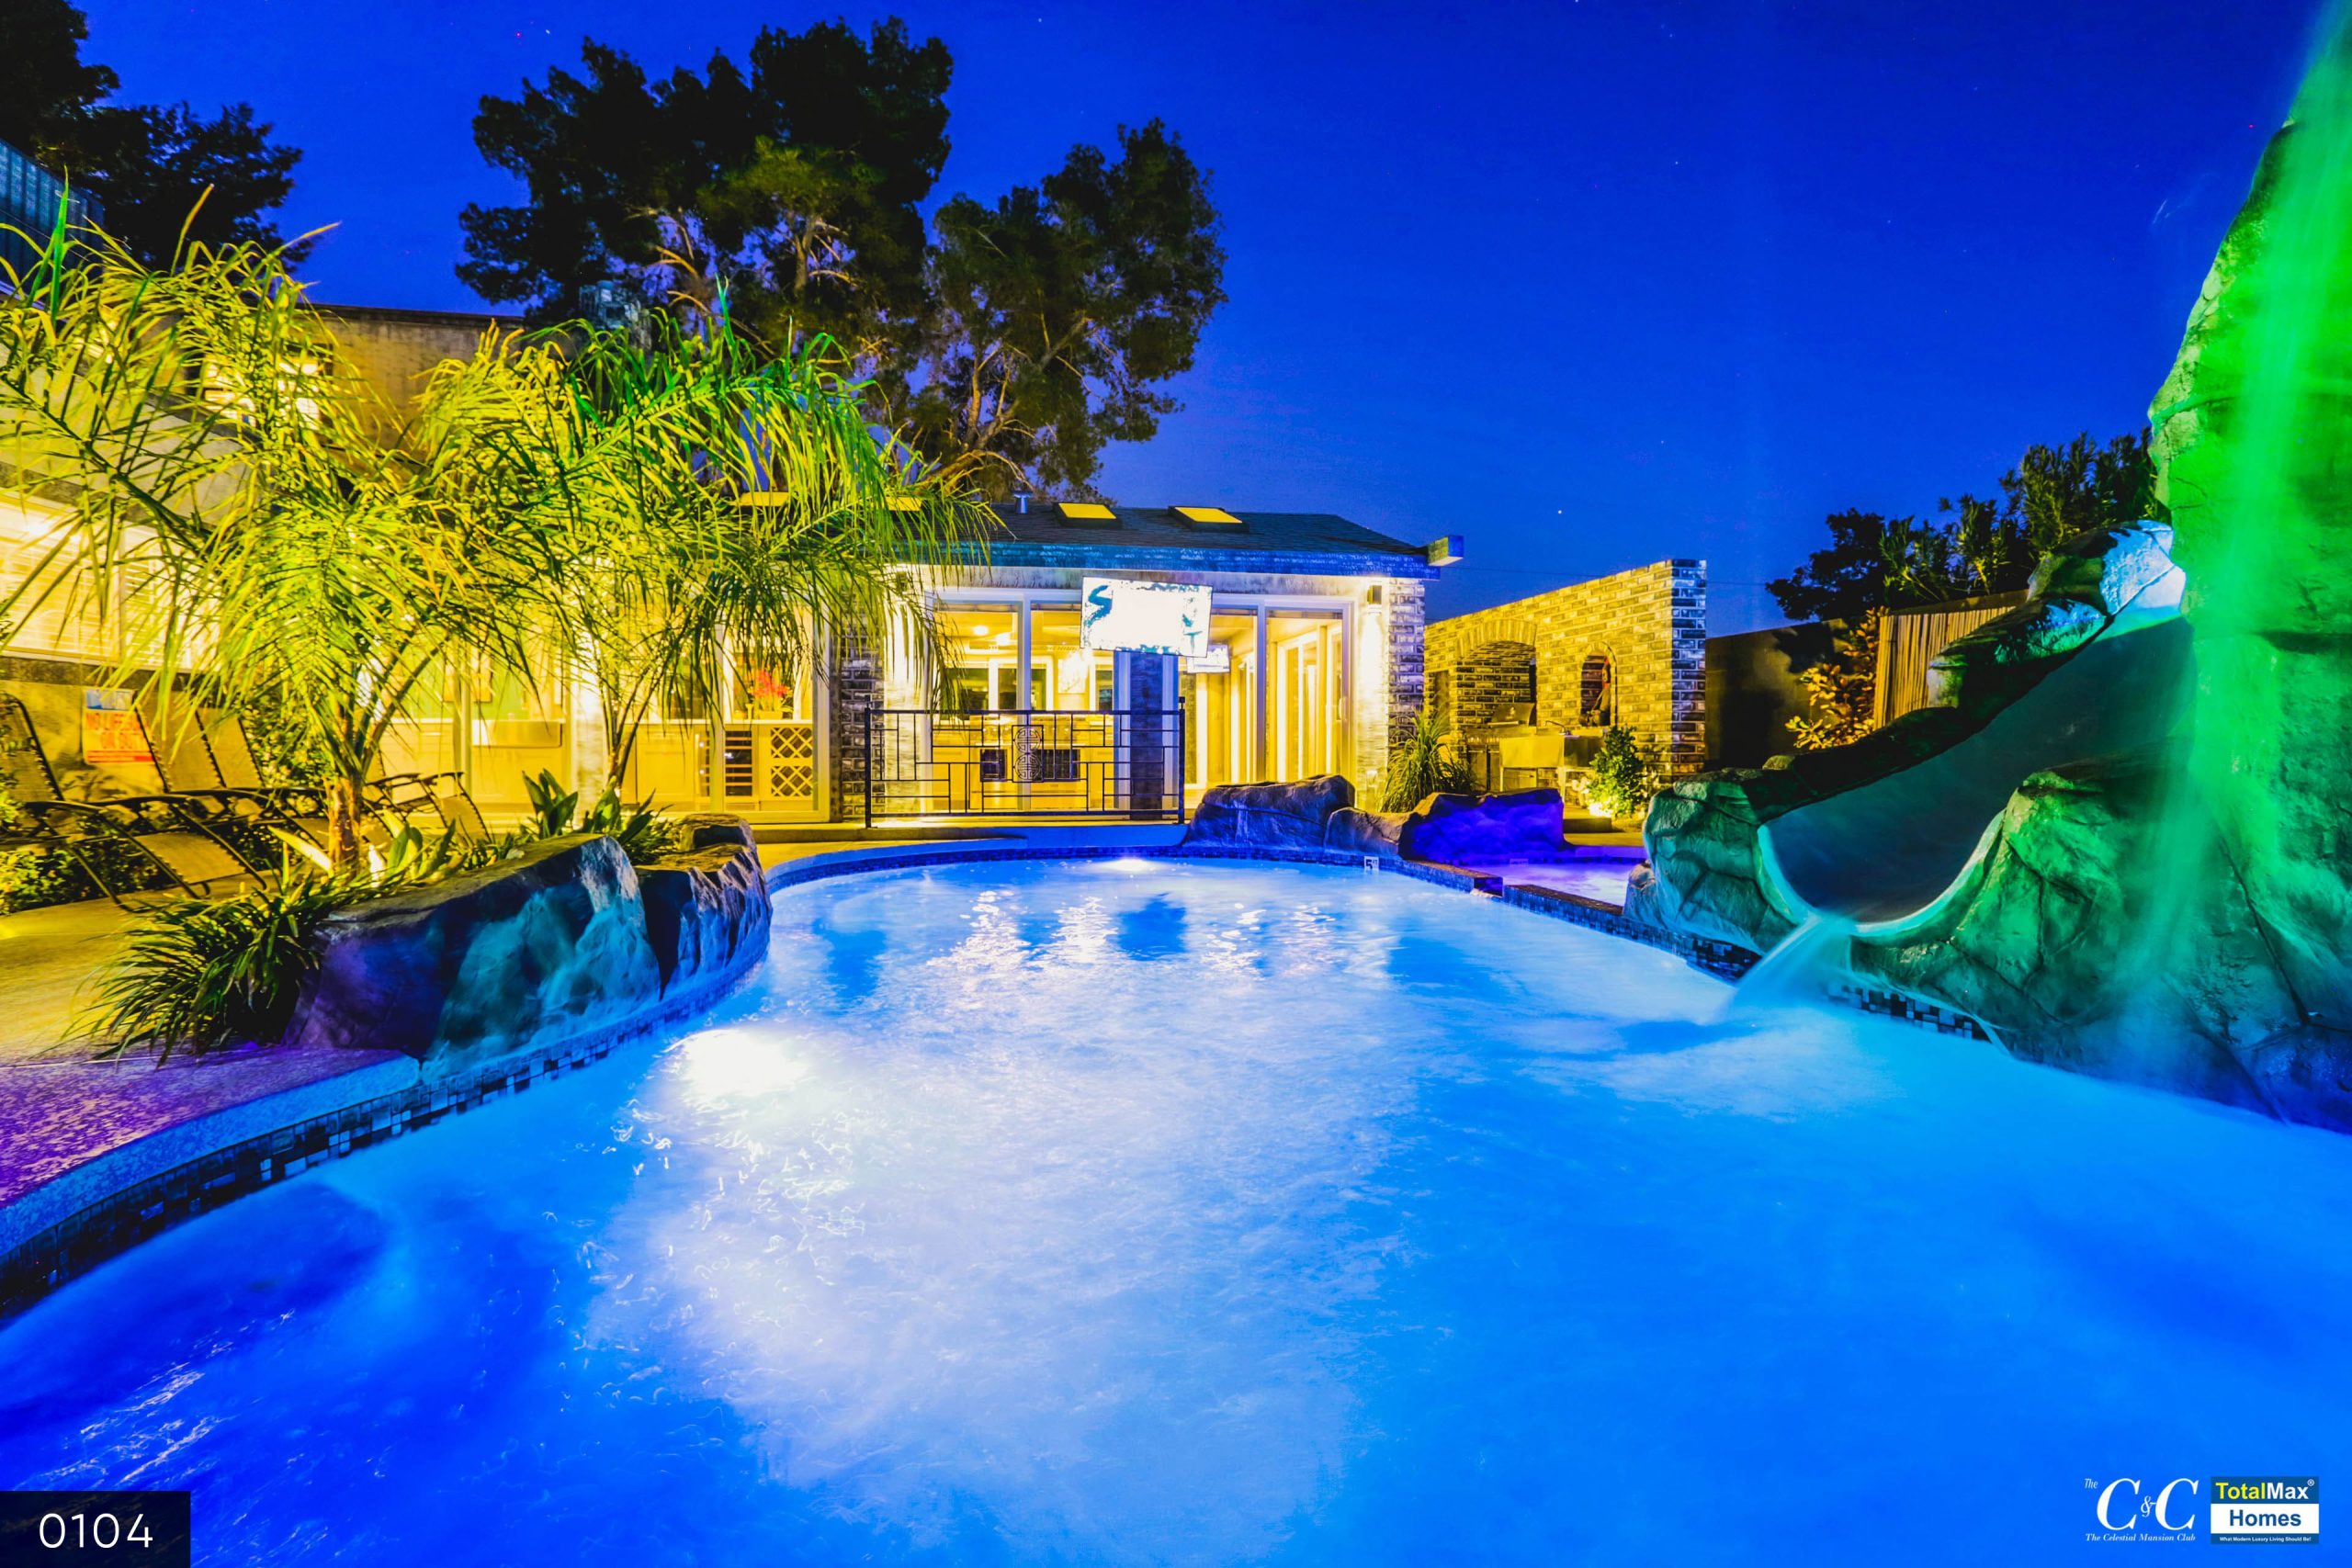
(1137, 1210)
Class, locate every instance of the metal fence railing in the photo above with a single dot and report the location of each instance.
(1126, 763)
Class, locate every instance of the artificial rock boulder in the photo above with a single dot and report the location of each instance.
(2069, 940)
(707, 905)
(1270, 816)
(1451, 830)
(2252, 432)
(534, 952)
(528, 951)
(1355, 831)
(2175, 911)
(2095, 660)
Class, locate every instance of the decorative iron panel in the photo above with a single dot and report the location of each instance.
(1126, 763)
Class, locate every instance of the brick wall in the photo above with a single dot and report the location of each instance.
(1495, 676)
(1651, 622)
(1407, 656)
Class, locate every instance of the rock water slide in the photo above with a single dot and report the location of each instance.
(2120, 839)
(2094, 662)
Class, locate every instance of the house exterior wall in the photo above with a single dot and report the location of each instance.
(1385, 626)
(394, 349)
(1651, 622)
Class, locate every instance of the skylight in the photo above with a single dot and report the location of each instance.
(1212, 516)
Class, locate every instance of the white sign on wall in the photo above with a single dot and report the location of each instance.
(1116, 616)
(1217, 661)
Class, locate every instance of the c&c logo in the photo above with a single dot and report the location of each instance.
(2128, 1510)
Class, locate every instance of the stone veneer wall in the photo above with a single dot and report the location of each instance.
(854, 687)
(1651, 621)
(1407, 656)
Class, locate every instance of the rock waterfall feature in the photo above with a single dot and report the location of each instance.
(2121, 839)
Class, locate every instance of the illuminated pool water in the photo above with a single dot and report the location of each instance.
(1147, 1211)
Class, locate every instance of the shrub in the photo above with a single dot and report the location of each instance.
(285, 750)
(1625, 775)
(206, 974)
(1424, 766)
(1841, 689)
(35, 878)
(643, 833)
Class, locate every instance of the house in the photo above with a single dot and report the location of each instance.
(1087, 661)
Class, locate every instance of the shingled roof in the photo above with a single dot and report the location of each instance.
(1301, 541)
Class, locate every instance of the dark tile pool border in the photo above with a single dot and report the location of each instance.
(112, 1223)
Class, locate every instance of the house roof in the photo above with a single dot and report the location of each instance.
(1304, 541)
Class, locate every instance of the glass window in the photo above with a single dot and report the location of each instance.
(1063, 675)
(1220, 695)
(980, 646)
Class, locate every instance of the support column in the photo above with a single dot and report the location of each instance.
(1262, 766)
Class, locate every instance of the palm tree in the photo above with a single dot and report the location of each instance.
(260, 526)
(750, 516)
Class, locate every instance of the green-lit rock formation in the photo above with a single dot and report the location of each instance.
(2167, 899)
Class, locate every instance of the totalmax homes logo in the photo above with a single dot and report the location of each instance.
(2236, 1508)
(2264, 1507)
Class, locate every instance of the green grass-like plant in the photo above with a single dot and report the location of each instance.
(642, 832)
(207, 974)
(553, 807)
(1426, 765)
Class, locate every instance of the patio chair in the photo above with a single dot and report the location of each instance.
(458, 812)
(246, 814)
(386, 805)
(117, 843)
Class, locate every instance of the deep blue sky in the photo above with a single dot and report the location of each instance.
(1591, 283)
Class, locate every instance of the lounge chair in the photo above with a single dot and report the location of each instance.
(222, 747)
(249, 815)
(121, 844)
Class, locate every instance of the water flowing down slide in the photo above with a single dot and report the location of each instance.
(1890, 848)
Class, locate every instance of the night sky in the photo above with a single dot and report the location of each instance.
(1591, 283)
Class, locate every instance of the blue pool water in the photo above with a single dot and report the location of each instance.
(1212, 1213)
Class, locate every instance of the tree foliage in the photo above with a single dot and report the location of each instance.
(1060, 309)
(1010, 346)
(1842, 690)
(267, 533)
(1973, 545)
(148, 165)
